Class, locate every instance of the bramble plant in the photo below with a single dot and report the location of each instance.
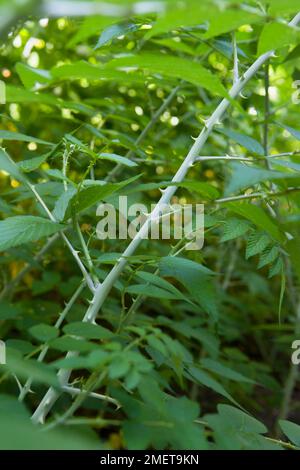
(147, 343)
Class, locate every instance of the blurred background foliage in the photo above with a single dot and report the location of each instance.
(185, 369)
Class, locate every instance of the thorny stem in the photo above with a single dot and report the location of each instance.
(243, 159)
(93, 382)
(104, 289)
(98, 396)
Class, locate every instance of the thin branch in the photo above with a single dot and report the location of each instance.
(10, 286)
(92, 382)
(57, 325)
(103, 291)
(84, 272)
(77, 391)
(235, 60)
(244, 159)
(86, 252)
(257, 195)
(144, 133)
(225, 157)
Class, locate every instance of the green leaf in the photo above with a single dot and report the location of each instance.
(87, 330)
(8, 311)
(294, 132)
(58, 175)
(132, 380)
(258, 217)
(276, 35)
(152, 291)
(160, 282)
(229, 20)
(243, 176)
(8, 135)
(234, 228)
(241, 420)
(171, 67)
(157, 410)
(32, 77)
(62, 203)
(224, 371)
(157, 344)
(235, 430)
(18, 230)
(294, 255)
(91, 26)
(118, 367)
(268, 256)
(19, 433)
(257, 242)
(244, 140)
(179, 267)
(8, 165)
(215, 20)
(95, 193)
(29, 368)
(204, 189)
(281, 6)
(113, 32)
(203, 378)
(69, 343)
(43, 332)
(85, 70)
(112, 157)
(195, 278)
(32, 164)
(48, 282)
(291, 430)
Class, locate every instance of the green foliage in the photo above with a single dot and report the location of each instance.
(291, 430)
(18, 230)
(164, 347)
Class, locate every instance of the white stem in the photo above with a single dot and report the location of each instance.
(84, 272)
(225, 157)
(241, 158)
(99, 396)
(238, 198)
(103, 290)
(235, 60)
